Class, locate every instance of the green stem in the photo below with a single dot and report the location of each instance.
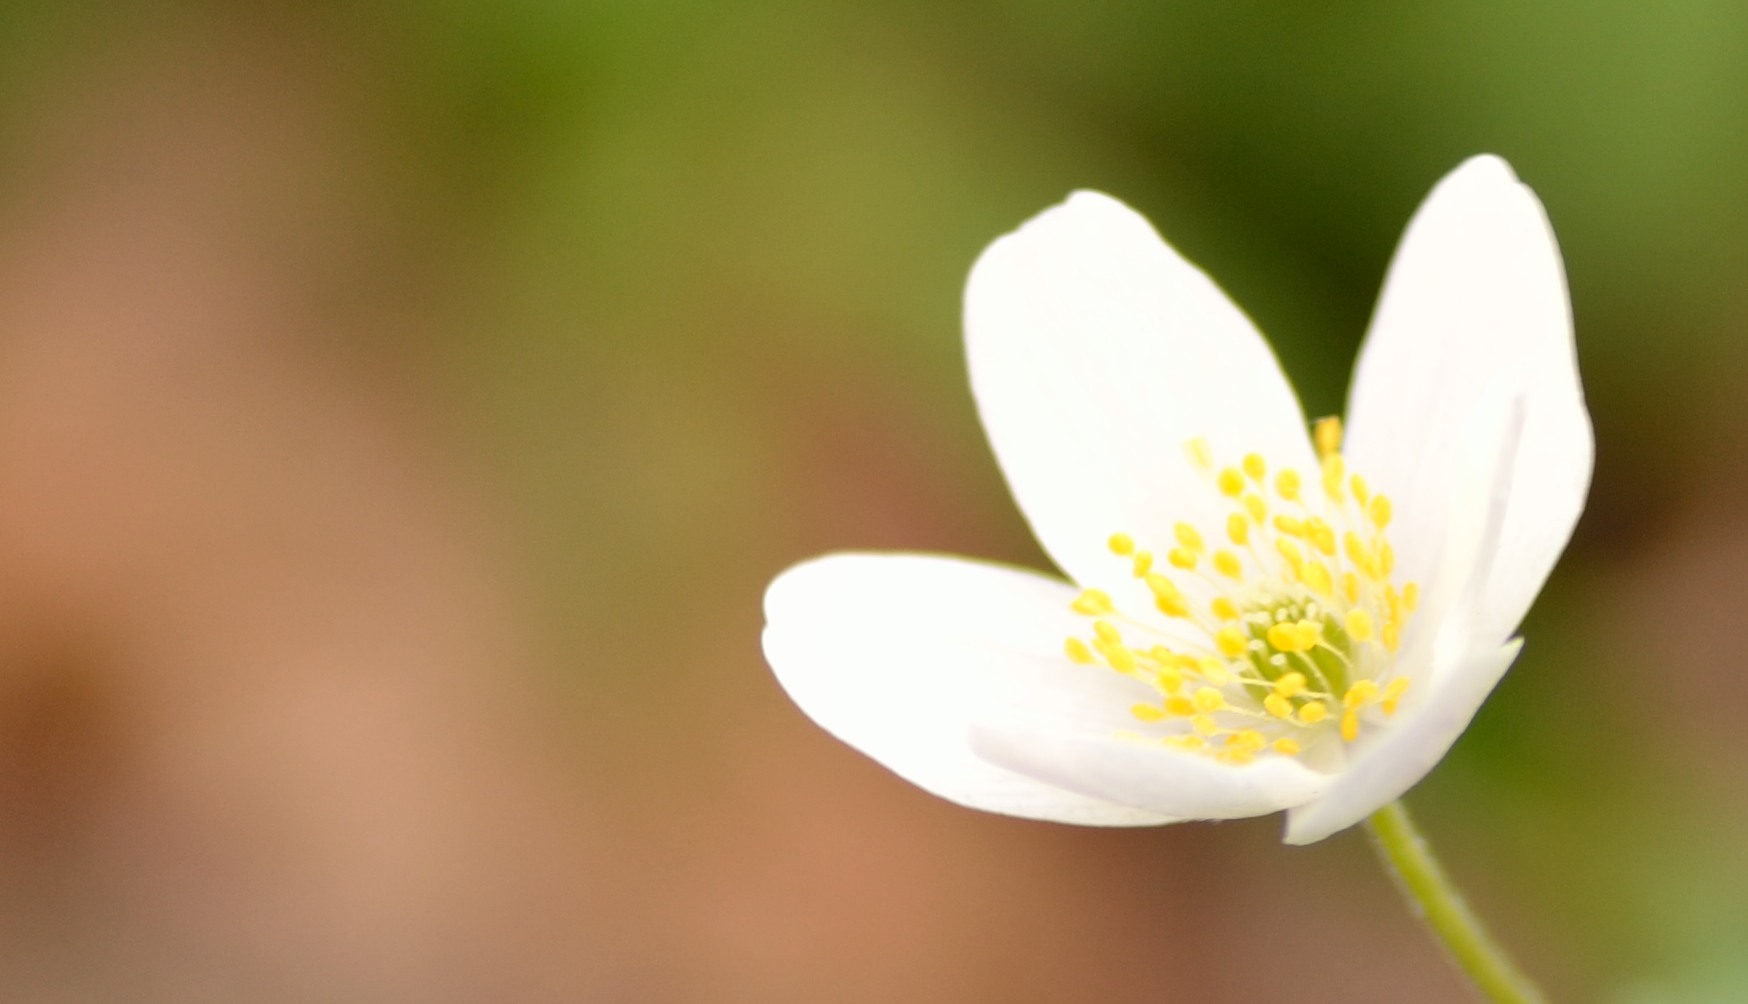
(1431, 895)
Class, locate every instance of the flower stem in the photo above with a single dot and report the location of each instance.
(1435, 900)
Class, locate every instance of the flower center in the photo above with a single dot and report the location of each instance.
(1281, 635)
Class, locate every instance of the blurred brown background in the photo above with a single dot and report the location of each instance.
(403, 405)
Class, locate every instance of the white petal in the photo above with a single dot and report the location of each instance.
(1131, 771)
(896, 654)
(1410, 745)
(1096, 353)
(1475, 297)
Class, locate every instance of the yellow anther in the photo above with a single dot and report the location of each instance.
(1360, 554)
(1361, 493)
(1199, 453)
(1392, 602)
(1147, 712)
(1121, 544)
(1231, 482)
(1166, 595)
(1278, 706)
(1392, 636)
(1078, 651)
(1250, 740)
(1359, 625)
(1286, 747)
(1286, 638)
(1290, 525)
(1204, 725)
(1182, 707)
(1189, 742)
(1362, 693)
(1386, 557)
(1287, 484)
(1120, 656)
(1332, 472)
(1208, 699)
(1350, 587)
(1316, 575)
(1107, 632)
(1255, 466)
(1231, 642)
(1320, 535)
(1188, 536)
(1350, 725)
(1237, 529)
(1182, 557)
(1313, 712)
(1092, 602)
(1327, 435)
(1309, 632)
(1224, 608)
(1290, 685)
(1236, 757)
(1411, 596)
(1256, 507)
(1227, 564)
(1393, 694)
(1380, 510)
(1169, 680)
(1290, 551)
(1214, 671)
(1143, 563)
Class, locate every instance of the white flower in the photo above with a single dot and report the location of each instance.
(1261, 619)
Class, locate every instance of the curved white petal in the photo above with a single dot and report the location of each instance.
(1131, 771)
(1410, 746)
(897, 655)
(1096, 353)
(1475, 304)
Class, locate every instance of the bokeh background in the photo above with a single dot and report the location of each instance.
(404, 404)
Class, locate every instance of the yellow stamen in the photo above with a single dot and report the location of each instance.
(1380, 510)
(1363, 692)
(1183, 558)
(1411, 596)
(1107, 632)
(1121, 544)
(1182, 707)
(1350, 725)
(1231, 642)
(1199, 453)
(1289, 525)
(1214, 671)
(1147, 712)
(1237, 529)
(1320, 535)
(1290, 685)
(1361, 493)
(1258, 509)
(1208, 699)
(1143, 563)
(1254, 466)
(1188, 537)
(1227, 564)
(1327, 435)
(1393, 694)
(1286, 747)
(1231, 482)
(1278, 706)
(1224, 608)
(1166, 595)
(1204, 725)
(1359, 625)
(1316, 575)
(1287, 484)
(1093, 602)
(1290, 551)
(1078, 651)
(1313, 712)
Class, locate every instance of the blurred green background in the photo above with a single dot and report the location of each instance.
(403, 405)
